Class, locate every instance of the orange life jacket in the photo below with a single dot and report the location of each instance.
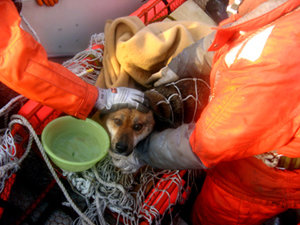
(255, 103)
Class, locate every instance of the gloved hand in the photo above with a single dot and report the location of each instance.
(164, 76)
(121, 97)
(46, 2)
(180, 102)
(127, 164)
(169, 149)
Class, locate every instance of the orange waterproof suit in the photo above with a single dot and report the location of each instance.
(24, 67)
(254, 108)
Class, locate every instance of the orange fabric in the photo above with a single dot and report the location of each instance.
(250, 179)
(255, 105)
(254, 108)
(212, 208)
(24, 67)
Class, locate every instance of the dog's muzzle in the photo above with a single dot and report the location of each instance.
(121, 148)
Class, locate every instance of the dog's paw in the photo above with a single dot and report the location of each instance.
(127, 164)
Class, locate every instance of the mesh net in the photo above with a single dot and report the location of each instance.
(88, 63)
(111, 197)
(117, 198)
(126, 197)
(8, 159)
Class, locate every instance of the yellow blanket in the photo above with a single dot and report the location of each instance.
(133, 51)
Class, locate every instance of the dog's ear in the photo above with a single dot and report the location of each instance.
(99, 118)
(162, 112)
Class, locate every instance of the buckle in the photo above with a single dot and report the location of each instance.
(271, 159)
(234, 7)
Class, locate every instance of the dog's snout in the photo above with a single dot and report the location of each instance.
(121, 147)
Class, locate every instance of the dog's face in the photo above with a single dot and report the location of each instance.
(126, 128)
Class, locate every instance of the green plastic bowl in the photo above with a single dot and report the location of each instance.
(73, 144)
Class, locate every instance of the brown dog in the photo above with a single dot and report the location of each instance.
(126, 128)
(171, 105)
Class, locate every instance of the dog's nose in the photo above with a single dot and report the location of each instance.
(121, 147)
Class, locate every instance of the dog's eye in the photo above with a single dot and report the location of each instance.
(118, 121)
(137, 127)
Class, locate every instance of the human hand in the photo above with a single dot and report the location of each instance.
(121, 97)
(127, 164)
(169, 149)
(164, 76)
(46, 2)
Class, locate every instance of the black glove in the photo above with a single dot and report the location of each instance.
(178, 102)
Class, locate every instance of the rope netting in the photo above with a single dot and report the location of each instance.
(8, 160)
(7, 157)
(111, 196)
(104, 186)
(130, 198)
(88, 63)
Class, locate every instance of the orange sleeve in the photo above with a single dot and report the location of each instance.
(24, 67)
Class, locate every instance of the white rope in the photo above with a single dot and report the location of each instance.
(18, 119)
(9, 163)
(88, 63)
(13, 103)
(13, 165)
(7, 158)
(104, 186)
(110, 189)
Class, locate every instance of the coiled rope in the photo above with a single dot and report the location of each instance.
(18, 119)
(9, 163)
(103, 186)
